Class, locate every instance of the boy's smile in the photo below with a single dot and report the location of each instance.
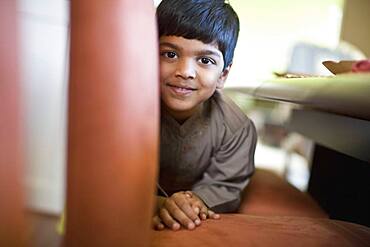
(190, 72)
(181, 90)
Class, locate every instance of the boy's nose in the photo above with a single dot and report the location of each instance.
(186, 69)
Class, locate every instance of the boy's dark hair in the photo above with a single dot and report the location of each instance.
(205, 20)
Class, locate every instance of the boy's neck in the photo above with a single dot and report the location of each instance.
(181, 117)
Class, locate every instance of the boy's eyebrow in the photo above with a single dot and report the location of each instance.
(209, 52)
(170, 45)
(201, 52)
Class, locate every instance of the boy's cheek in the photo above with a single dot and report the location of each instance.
(162, 76)
(166, 69)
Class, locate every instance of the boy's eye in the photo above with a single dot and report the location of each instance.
(169, 54)
(206, 60)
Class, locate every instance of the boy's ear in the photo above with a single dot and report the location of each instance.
(221, 80)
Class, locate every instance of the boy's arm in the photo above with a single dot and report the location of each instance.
(229, 172)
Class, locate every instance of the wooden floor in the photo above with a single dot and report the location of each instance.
(43, 230)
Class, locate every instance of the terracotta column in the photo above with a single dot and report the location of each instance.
(11, 192)
(113, 126)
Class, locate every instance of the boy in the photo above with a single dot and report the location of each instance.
(207, 143)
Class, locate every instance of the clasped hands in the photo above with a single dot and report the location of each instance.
(181, 209)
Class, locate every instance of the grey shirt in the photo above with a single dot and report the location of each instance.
(211, 153)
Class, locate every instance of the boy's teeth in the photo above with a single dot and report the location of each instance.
(182, 88)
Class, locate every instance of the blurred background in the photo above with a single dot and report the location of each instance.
(276, 36)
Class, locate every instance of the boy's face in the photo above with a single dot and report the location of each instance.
(190, 72)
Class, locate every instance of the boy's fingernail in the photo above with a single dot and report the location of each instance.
(191, 226)
(203, 216)
(196, 210)
(216, 216)
(175, 226)
(197, 222)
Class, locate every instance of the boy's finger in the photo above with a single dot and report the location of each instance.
(157, 224)
(189, 194)
(202, 209)
(196, 202)
(203, 213)
(213, 215)
(196, 211)
(168, 220)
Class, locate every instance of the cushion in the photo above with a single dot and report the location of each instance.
(268, 194)
(246, 230)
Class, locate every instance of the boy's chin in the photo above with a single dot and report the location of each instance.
(178, 105)
(180, 108)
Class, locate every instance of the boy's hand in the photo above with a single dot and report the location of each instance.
(181, 209)
(174, 212)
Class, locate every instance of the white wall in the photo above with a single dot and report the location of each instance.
(355, 28)
(43, 57)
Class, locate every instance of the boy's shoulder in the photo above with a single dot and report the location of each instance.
(226, 112)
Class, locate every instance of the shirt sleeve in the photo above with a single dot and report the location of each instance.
(228, 174)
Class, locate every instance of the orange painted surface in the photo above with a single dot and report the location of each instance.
(12, 224)
(113, 126)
